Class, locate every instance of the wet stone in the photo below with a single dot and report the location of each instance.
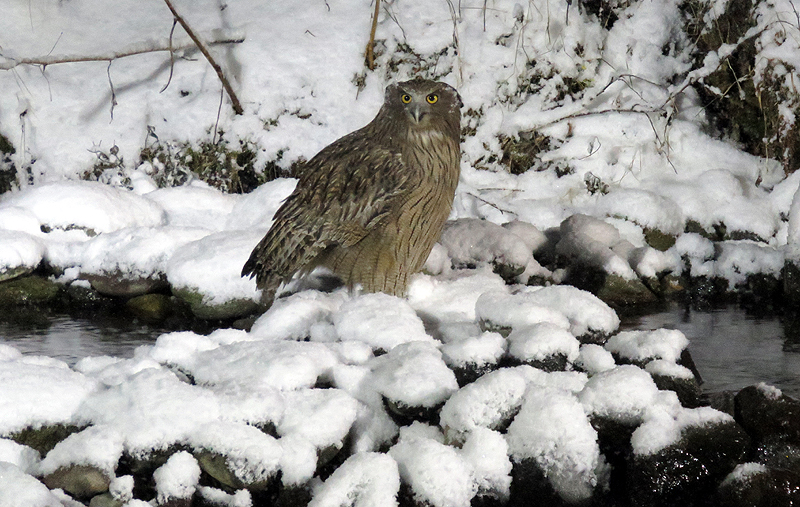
(689, 472)
(105, 500)
(687, 389)
(767, 415)
(204, 310)
(770, 488)
(16, 272)
(216, 466)
(403, 414)
(80, 481)
(29, 290)
(470, 372)
(44, 438)
(151, 307)
(529, 486)
(122, 285)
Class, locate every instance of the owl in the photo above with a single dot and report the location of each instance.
(370, 206)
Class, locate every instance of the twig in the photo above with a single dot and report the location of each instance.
(171, 56)
(136, 49)
(237, 107)
(370, 54)
(113, 94)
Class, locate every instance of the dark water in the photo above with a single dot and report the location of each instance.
(731, 349)
(71, 338)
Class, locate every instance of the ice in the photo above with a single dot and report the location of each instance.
(363, 480)
(553, 430)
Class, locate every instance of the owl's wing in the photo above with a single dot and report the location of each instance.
(343, 193)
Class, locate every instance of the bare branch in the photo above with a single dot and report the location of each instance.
(237, 107)
(371, 43)
(113, 93)
(136, 49)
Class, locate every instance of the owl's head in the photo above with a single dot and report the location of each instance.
(423, 102)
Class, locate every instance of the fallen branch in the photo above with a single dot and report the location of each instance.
(136, 49)
(237, 107)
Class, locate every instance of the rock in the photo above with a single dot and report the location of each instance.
(688, 472)
(403, 414)
(791, 282)
(529, 485)
(766, 414)
(123, 285)
(618, 291)
(674, 377)
(16, 272)
(470, 372)
(658, 240)
(203, 309)
(81, 294)
(29, 290)
(776, 454)
(80, 481)
(43, 439)
(151, 307)
(755, 485)
(105, 500)
(216, 465)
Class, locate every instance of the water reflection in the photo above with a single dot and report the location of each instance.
(732, 349)
(71, 338)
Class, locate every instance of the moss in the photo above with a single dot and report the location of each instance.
(29, 290)
(658, 240)
(521, 152)
(45, 438)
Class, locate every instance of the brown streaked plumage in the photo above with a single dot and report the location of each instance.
(370, 206)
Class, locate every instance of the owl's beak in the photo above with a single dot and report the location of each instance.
(417, 113)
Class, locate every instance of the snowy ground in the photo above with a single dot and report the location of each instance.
(295, 73)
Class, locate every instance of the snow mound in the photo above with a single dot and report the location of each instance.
(293, 317)
(540, 341)
(322, 417)
(486, 348)
(487, 451)
(643, 346)
(380, 320)
(177, 478)
(553, 430)
(414, 374)
(587, 314)
(22, 490)
(645, 208)
(194, 205)
(485, 403)
(594, 358)
(499, 309)
(592, 242)
(99, 446)
(364, 480)
(38, 391)
(437, 474)
(664, 428)
(19, 250)
(86, 205)
(452, 299)
(212, 267)
(623, 393)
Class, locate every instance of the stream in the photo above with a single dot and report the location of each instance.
(730, 348)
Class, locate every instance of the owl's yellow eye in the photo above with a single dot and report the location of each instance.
(406, 98)
(432, 98)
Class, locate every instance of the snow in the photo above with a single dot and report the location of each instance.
(438, 474)
(177, 478)
(642, 346)
(623, 393)
(363, 480)
(653, 171)
(553, 430)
